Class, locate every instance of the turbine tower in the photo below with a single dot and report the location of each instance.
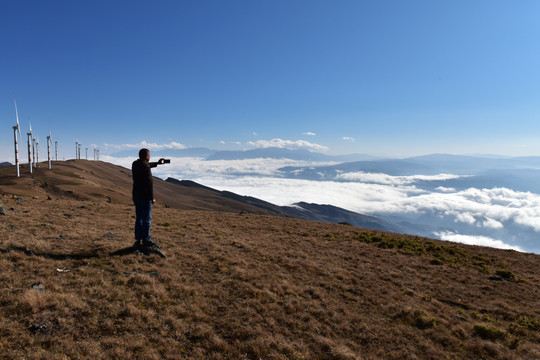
(49, 150)
(15, 129)
(37, 150)
(33, 150)
(56, 150)
(30, 142)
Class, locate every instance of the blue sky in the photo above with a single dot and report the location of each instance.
(393, 78)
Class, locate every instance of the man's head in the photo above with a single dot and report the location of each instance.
(144, 154)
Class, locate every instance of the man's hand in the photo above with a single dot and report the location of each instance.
(153, 201)
(161, 161)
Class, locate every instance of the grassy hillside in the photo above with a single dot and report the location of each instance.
(97, 180)
(244, 286)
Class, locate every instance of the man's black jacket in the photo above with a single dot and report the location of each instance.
(143, 188)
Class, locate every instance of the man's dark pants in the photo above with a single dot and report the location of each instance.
(143, 213)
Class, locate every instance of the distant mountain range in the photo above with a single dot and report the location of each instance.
(279, 153)
(520, 173)
(5, 163)
(265, 153)
(199, 152)
(429, 165)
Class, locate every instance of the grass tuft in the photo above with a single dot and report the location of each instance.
(488, 332)
(525, 323)
(506, 274)
(418, 318)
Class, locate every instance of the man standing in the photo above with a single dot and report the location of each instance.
(143, 196)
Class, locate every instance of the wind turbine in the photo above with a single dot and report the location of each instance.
(33, 149)
(49, 149)
(37, 150)
(30, 142)
(56, 150)
(15, 129)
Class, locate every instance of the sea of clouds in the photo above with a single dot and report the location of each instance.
(471, 216)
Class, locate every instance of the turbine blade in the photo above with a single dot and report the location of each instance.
(17, 116)
(16, 112)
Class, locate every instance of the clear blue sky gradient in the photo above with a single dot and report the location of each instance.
(400, 77)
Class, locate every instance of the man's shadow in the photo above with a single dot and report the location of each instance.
(94, 253)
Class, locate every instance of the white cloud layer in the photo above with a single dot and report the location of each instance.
(492, 224)
(309, 133)
(348, 138)
(145, 144)
(445, 189)
(191, 167)
(287, 144)
(476, 240)
(380, 178)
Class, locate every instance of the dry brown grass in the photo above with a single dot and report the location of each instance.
(247, 286)
(251, 287)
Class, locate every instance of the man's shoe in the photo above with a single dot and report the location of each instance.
(150, 247)
(137, 244)
(150, 243)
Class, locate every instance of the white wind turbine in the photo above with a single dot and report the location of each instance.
(33, 150)
(30, 143)
(49, 149)
(15, 129)
(37, 150)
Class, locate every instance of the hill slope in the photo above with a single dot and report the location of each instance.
(96, 180)
(245, 286)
